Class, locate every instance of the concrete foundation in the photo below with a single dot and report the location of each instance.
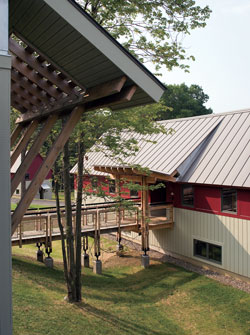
(85, 260)
(145, 261)
(97, 267)
(49, 262)
(39, 256)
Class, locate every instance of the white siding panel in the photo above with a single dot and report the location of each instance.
(231, 233)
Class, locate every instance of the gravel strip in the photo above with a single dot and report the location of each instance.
(224, 279)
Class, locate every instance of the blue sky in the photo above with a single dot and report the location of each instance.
(222, 52)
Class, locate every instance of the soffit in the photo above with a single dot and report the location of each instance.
(76, 46)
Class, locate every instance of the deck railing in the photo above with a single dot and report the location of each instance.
(94, 218)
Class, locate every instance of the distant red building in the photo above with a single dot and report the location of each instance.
(45, 191)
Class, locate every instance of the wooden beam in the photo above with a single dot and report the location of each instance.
(125, 171)
(43, 57)
(103, 90)
(34, 150)
(22, 102)
(46, 166)
(21, 109)
(16, 132)
(32, 61)
(26, 71)
(25, 94)
(30, 87)
(124, 96)
(131, 178)
(23, 141)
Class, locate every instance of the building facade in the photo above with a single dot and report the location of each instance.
(209, 156)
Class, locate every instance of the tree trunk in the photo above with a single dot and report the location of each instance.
(78, 220)
(65, 265)
(69, 226)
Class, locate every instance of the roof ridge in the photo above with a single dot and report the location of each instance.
(206, 116)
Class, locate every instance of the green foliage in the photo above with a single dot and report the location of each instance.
(14, 114)
(152, 30)
(184, 101)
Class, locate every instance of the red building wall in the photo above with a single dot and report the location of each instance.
(37, 162)
(208, 199)
(104, 183)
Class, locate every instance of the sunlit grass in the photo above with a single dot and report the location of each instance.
(126, 299)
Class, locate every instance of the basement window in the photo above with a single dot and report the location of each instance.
(187, 195)
(229, 200)
(208, 251)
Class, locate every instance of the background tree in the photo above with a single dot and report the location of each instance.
(152, 30)
(183, 101)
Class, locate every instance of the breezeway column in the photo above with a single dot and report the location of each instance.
(5, 231)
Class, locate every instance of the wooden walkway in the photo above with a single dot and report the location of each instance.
(42, 227)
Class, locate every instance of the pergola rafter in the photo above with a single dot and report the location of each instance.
(33, 89)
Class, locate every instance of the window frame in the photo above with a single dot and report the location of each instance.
(111, 184)
(222, 202)
(207, 258)
(182, 195)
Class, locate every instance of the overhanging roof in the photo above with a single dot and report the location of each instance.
(209, 149)
(77, 49)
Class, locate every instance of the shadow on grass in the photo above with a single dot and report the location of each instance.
(45, 277)
(128, 326)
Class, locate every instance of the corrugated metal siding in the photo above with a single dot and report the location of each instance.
(231, 233)
(222, 160)
(225, 160)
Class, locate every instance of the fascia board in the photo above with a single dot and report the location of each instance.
(105, 45)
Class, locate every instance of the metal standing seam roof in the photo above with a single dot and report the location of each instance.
(214, 149)
(65, 35)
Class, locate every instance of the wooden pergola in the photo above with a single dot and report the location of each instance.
(43, 94)
(144, 177)
(55, 61)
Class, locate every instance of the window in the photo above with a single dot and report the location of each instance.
(112, 186)
(134, 193)
(187, 195)
(229, 200)
(27, 176)
(209, 251)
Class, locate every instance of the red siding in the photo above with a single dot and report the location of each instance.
(37, 162)
(208, 199)
(104, 183)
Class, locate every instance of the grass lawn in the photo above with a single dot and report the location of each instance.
(126, 299)
(13, 206)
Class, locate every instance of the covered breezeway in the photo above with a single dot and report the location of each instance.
(55, 60)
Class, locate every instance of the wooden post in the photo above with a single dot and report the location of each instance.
(23, 141)
(16, 132)
(118, 211)
(34, 150)
(144, 215)
(46, 166)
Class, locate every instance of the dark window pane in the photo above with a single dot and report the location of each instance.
(214, 252)
(187, 195)
(229, 200)
(200, 248)
(112, 186)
